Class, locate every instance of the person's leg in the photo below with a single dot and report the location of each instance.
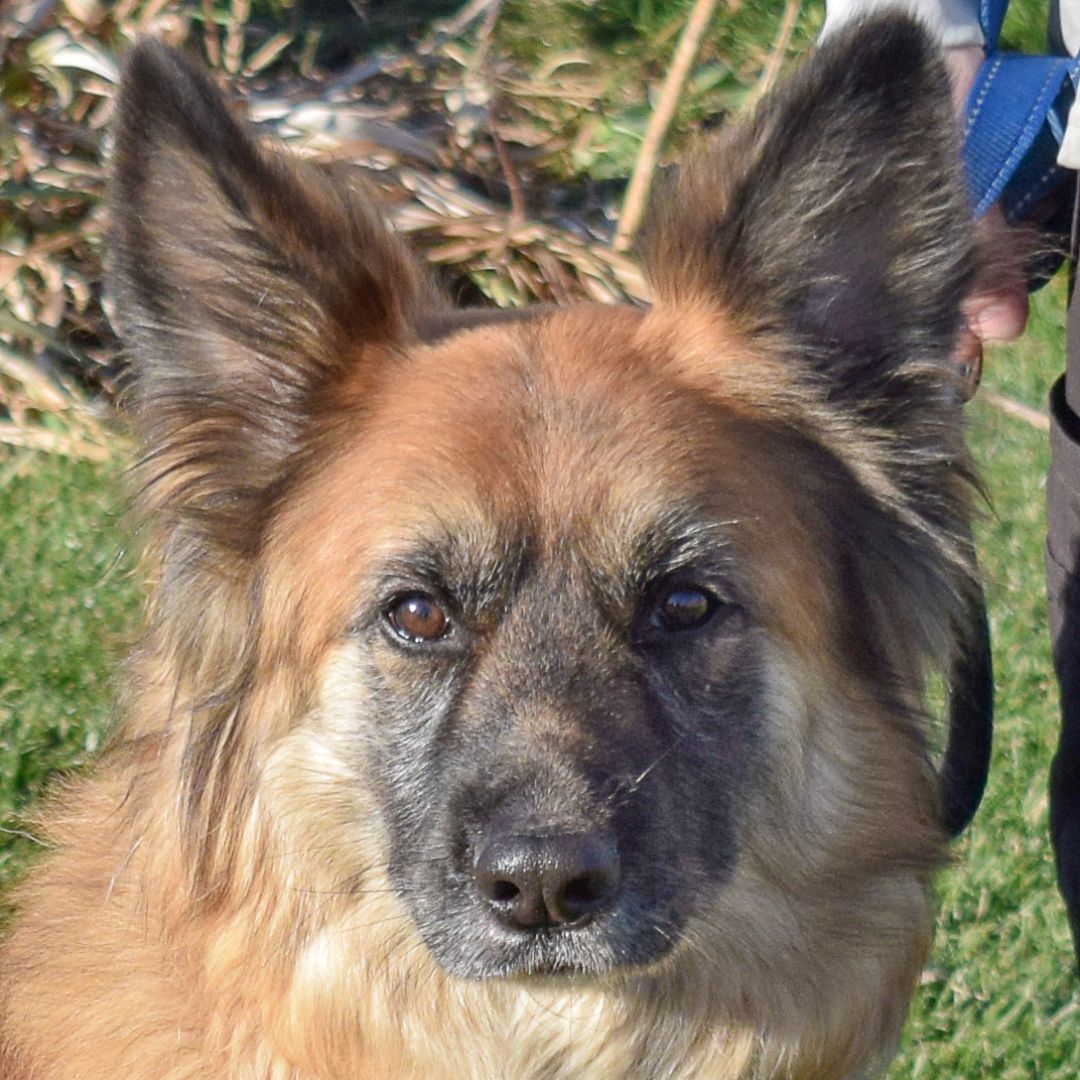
(1063, 588)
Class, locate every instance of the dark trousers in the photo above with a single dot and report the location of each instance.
(1063, 589)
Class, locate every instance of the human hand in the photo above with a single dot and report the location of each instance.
(996, 309)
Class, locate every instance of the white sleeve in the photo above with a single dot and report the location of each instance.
(954, 22)
(1068, 14)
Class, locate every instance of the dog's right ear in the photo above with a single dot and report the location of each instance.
(245, 282)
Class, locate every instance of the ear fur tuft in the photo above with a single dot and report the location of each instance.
(245, 283)
(836, 215)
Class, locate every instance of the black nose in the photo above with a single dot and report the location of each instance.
(554, 881)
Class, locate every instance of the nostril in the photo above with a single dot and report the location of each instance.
(551, 881)
(585, 890)
(509, 877)
(571, 900)
(503, 891)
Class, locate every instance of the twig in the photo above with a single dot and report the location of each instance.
(24, 834)
(513, 182)
(482, 63)
(452, 28)
(487, 30)
(645, 166)
(35, 386)
(31, 438)
(211, 42)
(1016, 409)
(778, 53)
(232, 52)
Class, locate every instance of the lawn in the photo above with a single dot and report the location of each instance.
(999, 994)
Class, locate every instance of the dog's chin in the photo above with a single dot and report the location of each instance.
(599, 951)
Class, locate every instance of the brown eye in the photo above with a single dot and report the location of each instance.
(684, 608)
(418, 617)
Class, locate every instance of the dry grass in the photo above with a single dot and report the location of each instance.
(462, 140)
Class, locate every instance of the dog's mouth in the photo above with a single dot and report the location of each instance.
(562, 905)
(601, 948)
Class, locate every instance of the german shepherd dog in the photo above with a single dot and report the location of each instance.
(532, 695)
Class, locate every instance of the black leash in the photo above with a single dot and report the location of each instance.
(966, 764)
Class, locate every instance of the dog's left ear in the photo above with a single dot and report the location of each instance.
(836, 215)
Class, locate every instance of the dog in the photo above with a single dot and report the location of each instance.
(532, 694)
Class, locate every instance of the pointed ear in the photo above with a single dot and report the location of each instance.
(245, 283)
(836, 215)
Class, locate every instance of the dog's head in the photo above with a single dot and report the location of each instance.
(576, 641)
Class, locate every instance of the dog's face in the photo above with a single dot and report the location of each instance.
(555, 667)
(568, 574)
(580, 641)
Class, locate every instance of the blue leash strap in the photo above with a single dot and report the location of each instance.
(1015, 119)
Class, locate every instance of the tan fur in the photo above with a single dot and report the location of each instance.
(301, 965)
(219, 902)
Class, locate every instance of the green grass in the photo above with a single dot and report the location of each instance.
(66, 603)
(999, 995)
